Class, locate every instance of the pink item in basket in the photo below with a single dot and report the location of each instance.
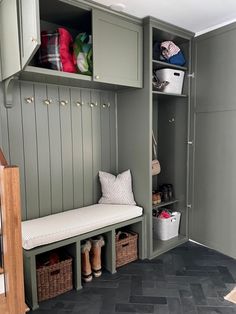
(164, 215)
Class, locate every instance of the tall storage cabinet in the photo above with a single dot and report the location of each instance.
(168, 115)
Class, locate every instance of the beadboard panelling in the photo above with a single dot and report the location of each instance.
(77, 144)
(30, 151)
(66, 148)
(41, 114)
(105, 131)
(16, 144)
(55, 150)
(87, 147)
(60, 148)
(97, 150)
(113, 128)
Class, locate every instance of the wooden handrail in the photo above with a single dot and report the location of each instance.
(12, 302)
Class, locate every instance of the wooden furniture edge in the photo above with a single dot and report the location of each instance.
(13, 299)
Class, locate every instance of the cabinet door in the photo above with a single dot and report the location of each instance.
(9, 48)
(29, 29)
(117, 50)
(213, 219)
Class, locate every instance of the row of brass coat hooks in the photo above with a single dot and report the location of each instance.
(63, 103)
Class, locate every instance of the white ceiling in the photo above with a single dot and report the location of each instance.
(195, 15)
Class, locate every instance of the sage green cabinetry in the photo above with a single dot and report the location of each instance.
(117, 49)
(117, 40)
(9, 41)
(168, 115)
(29, 30)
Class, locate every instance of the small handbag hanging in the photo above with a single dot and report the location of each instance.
(156, 168)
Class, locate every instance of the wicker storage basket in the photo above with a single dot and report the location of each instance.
(53, 280)
(126, 248)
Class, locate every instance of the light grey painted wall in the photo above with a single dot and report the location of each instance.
(60, 149)
(214, 215)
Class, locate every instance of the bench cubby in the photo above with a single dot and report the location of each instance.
(73, 247)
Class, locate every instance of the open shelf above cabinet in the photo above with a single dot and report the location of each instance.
(161, 65)
(42, 75)
(34, 71)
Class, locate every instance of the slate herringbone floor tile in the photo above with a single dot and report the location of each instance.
(190, 279)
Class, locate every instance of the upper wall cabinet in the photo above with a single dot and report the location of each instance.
(116, 41)
(9, 40)
(117, 50)
(30, 30)
(18, 47)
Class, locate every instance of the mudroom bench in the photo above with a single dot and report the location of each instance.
(68, 229)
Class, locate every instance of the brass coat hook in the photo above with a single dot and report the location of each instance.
(29, 100)
(47, 101)
(64, 102)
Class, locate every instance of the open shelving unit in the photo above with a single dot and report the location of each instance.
(43, 75)
(170, 112)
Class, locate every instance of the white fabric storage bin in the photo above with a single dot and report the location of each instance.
(165, 229)
(175, 79)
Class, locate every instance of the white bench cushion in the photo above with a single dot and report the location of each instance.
(74, 222)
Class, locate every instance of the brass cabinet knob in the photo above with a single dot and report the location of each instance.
(34, 40)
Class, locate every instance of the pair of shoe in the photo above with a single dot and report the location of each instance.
(91, 258)
(167, 192)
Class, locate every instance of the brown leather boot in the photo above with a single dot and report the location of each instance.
(85, 261)
(95, 255)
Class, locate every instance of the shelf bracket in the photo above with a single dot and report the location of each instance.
(189, 206)
(8, 91)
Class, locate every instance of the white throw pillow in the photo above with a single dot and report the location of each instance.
(116, 190)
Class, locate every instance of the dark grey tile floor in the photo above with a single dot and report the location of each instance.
(189, 279)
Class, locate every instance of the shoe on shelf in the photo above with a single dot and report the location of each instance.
(85, 261)
(95, 255)
(156, 198)
(165, 194)
(170, 191)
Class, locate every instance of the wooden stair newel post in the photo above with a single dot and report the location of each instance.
(12, 239)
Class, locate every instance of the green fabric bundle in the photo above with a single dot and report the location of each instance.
(83, 53)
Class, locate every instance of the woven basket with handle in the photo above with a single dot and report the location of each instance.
(126, 248)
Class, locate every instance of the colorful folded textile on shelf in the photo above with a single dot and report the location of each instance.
(56, 50)
(172, 53)
(83, 53)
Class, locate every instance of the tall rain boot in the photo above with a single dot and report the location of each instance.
(95, 255)
(85, 261)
